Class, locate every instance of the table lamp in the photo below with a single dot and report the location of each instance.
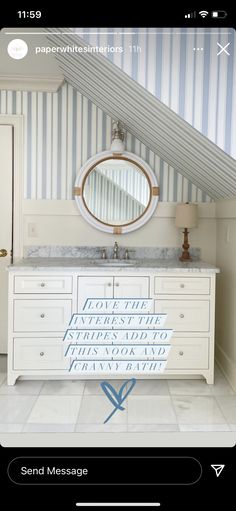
(186, 218)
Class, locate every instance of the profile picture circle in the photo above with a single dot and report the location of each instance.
(17, 49)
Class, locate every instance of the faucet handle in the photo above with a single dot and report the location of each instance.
(127, 254)
(104, 255)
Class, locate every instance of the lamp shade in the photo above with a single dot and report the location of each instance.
(186, 215)
(117, 146)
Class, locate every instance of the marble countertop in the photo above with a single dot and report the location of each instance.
(137, 265)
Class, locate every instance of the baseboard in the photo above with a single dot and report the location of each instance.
(227, 366)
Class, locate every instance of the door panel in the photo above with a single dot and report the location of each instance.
(94, 287)
(131, 287)
(6, 156)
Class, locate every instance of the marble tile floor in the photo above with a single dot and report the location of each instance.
(153, 406)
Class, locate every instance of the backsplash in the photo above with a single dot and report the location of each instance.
(62, 130)
(96, 252)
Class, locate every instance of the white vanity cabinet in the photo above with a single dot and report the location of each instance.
(112, 287)
(42, 301)
(189, 302)
(39, 310)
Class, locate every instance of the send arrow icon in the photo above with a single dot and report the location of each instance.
(218, 469)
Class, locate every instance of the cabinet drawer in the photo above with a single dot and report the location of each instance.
(182, 285)
(36, 354)
(42, 315)
(188, 353)
(185, 315)
(42, 285)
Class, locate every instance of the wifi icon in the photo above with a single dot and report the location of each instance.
(203, 14)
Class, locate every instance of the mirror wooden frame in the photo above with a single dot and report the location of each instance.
(94, 221)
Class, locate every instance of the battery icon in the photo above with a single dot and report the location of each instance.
(218, 14)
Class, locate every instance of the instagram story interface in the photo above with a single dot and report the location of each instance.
(117, 268)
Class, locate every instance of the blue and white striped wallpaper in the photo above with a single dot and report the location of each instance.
(198, 85)
(62, 130)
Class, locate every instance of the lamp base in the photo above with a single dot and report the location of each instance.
(185, 257)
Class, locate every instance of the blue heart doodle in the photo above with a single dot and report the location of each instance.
(117, 398)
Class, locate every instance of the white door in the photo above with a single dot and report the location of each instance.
(6, 157)
(131, 287)
(94, 287)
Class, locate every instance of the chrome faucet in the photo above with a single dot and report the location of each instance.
(115, 250)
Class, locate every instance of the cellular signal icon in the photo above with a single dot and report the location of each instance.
(191, 15)
(203, 14)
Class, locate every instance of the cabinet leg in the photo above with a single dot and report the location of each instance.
(11, 380)
(210, 379)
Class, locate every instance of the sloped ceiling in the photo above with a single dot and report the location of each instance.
(143, 115)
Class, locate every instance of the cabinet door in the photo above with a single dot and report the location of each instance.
(94, 287)
(131, 287)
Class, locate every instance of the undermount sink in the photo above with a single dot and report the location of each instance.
(115, 262)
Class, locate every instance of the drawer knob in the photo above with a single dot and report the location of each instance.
(42, 315)
(182, 285)
(117, 284)
(181, 316)
(109, 284)
(41, 353)
(42, 284)
(181, 353)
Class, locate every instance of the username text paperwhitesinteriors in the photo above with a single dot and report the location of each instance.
(79, 49)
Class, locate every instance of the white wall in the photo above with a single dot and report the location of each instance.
(58, 222)
(226, 288)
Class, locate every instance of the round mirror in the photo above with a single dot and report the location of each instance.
(116, 193)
